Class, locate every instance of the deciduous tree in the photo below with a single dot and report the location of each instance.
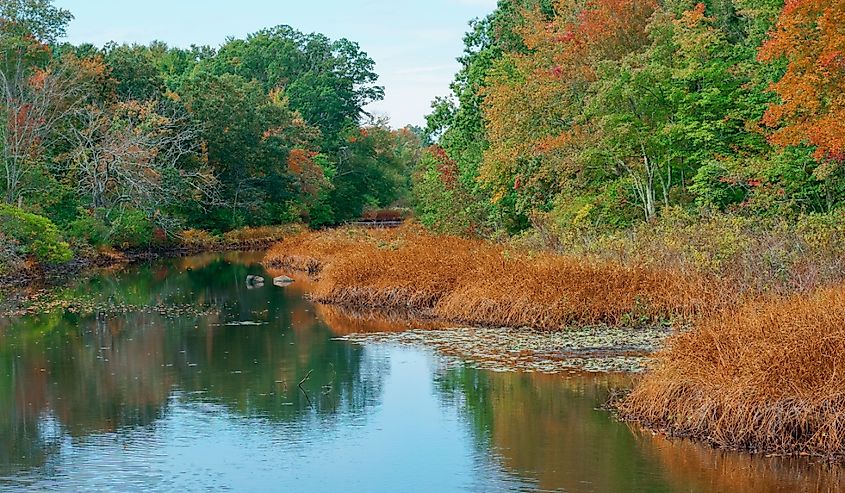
(810, 38)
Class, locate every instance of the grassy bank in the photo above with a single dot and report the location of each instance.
(475, 281)
(748, 254)
(763, 378)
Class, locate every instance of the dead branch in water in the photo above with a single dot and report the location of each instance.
(307, 398)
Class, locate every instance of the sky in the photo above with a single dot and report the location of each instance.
(414, 43)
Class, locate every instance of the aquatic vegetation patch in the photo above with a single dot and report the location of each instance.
(592, 349)
(45, 301)
(764, 378)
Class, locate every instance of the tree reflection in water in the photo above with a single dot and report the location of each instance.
(552, 430)
(119, 367)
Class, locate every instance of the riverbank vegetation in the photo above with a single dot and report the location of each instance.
(142, 147)
(625, 162)
(476, 281)
(762, 378)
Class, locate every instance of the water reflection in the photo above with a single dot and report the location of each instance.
(550, 429)
(110, 371)
(178, 376)
(691, 467)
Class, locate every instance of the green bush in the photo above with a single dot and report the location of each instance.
(131, 229)
(88, 229)
(35, 235)
(714, 188)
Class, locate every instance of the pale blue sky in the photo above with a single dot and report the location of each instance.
(414, 43)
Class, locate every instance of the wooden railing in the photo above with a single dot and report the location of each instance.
(378, 223)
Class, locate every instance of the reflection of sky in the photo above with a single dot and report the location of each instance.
(409, 442)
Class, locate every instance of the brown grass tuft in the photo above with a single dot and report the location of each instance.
(197, 239)
(480, 282)
(309, 251)
(764, 378)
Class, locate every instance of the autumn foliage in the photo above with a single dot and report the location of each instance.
(599, 114)
(809, 36)
(534, 99)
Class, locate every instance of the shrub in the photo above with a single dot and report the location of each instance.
(751, 255)
(131, 229)
(442, 202)
(35, 236)
(88, 229)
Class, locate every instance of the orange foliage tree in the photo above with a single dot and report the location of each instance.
(534, 100)
(810, 36)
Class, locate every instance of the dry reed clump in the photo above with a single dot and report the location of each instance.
(195, 239)
(479, 282)
(763, 378)
(411, 275)
(550, 291)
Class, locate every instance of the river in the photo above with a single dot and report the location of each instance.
(176, 376)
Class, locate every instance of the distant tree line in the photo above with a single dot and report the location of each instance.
(122, 144)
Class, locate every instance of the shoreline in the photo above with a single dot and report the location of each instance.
(47, 276)
(741, 371)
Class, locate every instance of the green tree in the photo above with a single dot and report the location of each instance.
(328, 82)
(248, 136)
(38, 18)
(134, 69)
(373, 170)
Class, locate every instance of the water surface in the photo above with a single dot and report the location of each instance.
(175, 376)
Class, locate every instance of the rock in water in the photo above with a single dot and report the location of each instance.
(282, 281)
(254, 282)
